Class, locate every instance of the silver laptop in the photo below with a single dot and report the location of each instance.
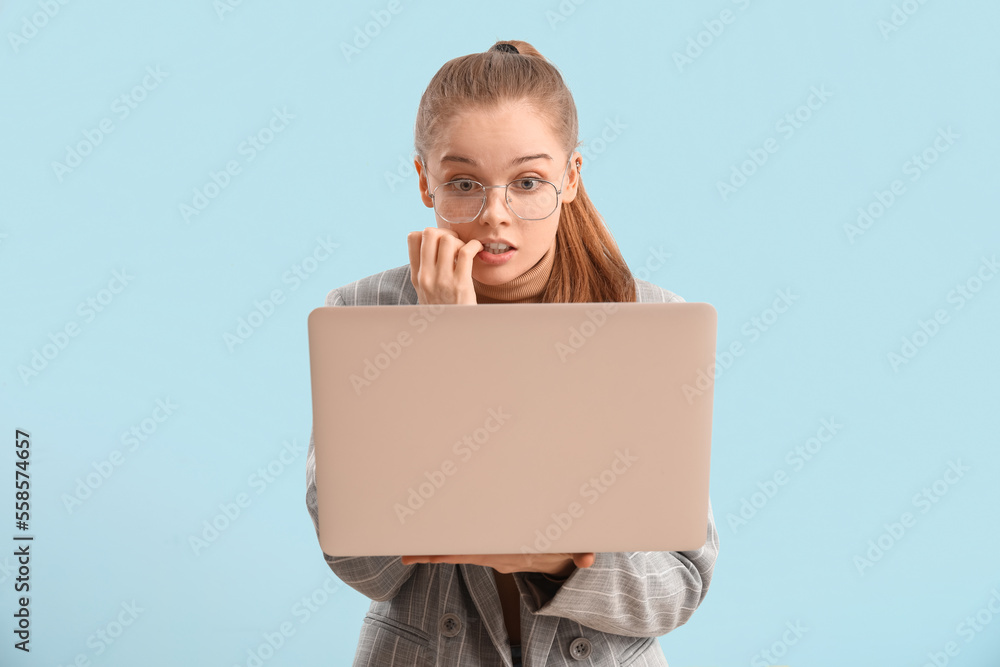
(512, 428)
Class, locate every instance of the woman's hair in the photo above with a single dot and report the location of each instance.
(587, 265)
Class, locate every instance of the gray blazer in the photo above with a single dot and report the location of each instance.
(446, 614)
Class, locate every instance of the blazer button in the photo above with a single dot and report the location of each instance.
(580, 648)
(450, 625)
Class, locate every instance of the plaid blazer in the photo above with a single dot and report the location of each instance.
(445, 614)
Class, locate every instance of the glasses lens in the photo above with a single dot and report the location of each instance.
(459, 201)
(532, 199)
(528, 198)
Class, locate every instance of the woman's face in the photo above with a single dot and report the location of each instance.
(491, 148)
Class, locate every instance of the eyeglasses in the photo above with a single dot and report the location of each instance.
(462, 200)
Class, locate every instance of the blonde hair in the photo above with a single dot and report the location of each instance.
(588, 265)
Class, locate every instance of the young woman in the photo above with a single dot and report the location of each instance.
(495, 138)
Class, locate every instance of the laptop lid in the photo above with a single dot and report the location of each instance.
(512, 428)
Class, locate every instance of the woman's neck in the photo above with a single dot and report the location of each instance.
(526, 288)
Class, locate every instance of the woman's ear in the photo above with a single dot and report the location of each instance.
(422, 183)
(572, 178)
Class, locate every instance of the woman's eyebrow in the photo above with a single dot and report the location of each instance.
(514, 162)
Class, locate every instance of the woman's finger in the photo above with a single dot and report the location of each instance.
(466, 254)
(428, 257)
(413, 248)
(448, 247)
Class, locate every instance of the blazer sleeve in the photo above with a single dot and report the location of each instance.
(636, 594)
(377, 577)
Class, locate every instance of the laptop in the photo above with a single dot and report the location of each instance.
(512, 428)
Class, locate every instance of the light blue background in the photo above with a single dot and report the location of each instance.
(325, 176)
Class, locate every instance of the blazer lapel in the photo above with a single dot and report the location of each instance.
(486, 597)
(536, 641)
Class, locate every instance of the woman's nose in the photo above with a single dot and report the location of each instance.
(495, 210)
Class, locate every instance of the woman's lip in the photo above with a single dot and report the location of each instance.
(486, 257)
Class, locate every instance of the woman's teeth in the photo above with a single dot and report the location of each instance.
(497, 248)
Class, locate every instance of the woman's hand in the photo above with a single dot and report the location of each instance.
(554, 564)
(441, 266)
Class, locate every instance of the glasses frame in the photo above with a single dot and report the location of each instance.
(506, 198)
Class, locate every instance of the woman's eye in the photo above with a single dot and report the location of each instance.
(526, 184)
(464, 185)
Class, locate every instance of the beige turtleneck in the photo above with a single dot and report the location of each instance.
(526, 288)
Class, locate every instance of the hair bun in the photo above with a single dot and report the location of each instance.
(509, 48)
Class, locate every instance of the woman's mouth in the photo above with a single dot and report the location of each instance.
(495, 254)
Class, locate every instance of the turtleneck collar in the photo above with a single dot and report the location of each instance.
(526, 288)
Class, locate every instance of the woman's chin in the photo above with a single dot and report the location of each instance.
(492, 275)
